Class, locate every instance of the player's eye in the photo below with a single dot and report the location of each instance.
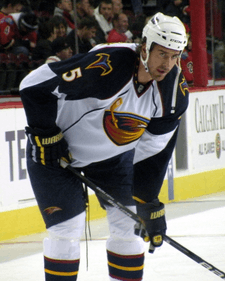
(162, 54)
(175, 56)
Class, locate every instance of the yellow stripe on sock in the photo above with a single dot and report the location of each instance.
(73, 273)
(126, 268)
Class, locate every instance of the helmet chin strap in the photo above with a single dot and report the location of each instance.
(145, 62)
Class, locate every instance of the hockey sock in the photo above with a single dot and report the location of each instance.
(61, 270)
(123, 267)
(125, 250)
(62, 249)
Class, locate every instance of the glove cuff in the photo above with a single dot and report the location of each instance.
(43, 132)
(152, 210)
(45, 138)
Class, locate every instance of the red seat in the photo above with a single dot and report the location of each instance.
(12, 60)
(22, 60)
(3, 59)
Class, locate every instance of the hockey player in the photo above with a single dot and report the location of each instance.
(114, 113)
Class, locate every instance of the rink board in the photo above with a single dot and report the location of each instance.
(25, 221)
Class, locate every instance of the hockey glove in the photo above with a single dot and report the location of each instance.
(153, 214)
(48, 146)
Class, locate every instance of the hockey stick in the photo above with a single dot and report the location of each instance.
(194, 257)
(101, 193)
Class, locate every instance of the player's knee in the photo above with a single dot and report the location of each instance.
(122, 239)
(120, 225)
(64, 239)
(69, 229)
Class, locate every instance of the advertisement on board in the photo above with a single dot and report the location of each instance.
(206, 130)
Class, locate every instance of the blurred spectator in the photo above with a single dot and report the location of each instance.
(219, 60)
(47, 34)
(60, 25)
(120, 32)
(103, 14)
(18, 32)
(137, 24)
(161, 5)
(186, 17)
(44, 8)
(64, 8)
(34, 4)
(137, 7)
(117, 6)
(174, 9)
(213, 15)
(187, 63)
(11, 6)
(84, 9)
(86, 31)
(25, 28)
(60, 50)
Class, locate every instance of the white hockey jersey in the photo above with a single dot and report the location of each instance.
(103, 111)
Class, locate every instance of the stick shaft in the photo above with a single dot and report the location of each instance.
(101, 193)
(194, 257)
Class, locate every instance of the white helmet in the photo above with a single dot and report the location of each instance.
(166, 31)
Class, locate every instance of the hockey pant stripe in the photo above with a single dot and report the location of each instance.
(129, 267)
(60, 269)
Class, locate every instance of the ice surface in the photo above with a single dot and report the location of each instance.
(202, 232)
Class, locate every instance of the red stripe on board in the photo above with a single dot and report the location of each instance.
(208, 88)
(12, 104)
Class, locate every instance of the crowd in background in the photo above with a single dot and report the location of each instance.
(44, 31)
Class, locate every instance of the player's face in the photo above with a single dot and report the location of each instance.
(123, 23)
(161, 61)
(117, 6)
(85, 6)
(65, 54)
(88, 33)
(106, 10)
(91, 32)
(15, 9)
(178, 2)
(60, 30)
(66, 5)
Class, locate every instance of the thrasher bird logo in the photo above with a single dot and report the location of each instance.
(51, 210)
(121, 127)
(103, 62)
(183, 86)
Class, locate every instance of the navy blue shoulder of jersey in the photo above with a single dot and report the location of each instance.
(170, 120)
(166, 90)
(100, 74)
